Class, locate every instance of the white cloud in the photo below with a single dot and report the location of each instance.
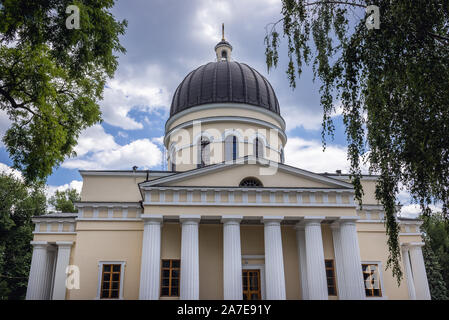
(309, 155)
(144, 89)
(296, 116)
(8, 170)
(5, 123)
(159, 140)
(414, 210)
(50, 190)
(98, 150)
(308, 118)
(94, 139)
(122, 134)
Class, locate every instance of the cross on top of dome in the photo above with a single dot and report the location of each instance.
(223, 49)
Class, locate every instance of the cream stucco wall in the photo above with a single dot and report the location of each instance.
(111, 188)
(107, 241)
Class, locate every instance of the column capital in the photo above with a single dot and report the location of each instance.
(64, 244)
(411, 245)
(39, 244)
(231, 218)
(151, 218)
(308, 220)
(192, 218)
(272, 219)
(348, 219)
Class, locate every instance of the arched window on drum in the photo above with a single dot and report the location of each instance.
(231, 148)
(258, 148)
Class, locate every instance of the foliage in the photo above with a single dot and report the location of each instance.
(18, 203)
(437, 286)
(436, 230)
(52, 77)
(392, 84)
(64, 200)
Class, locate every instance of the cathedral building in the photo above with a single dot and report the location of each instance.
(228, 219)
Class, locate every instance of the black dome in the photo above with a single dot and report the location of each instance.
(224, 81)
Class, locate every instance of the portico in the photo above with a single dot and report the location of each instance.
(310, 251)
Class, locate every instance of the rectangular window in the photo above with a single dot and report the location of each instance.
(371, 277)
(110, 281)
(171, 273)
(330, 275)
(251, 284)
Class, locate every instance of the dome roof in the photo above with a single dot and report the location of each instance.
(221, 82)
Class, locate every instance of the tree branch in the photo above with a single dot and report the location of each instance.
(14, 104)
(317, 3)
(438, 37)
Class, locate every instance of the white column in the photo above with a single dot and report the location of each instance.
(301, 245)
(151, 257)
(408, 273)
(62, 261)
(190, 277)
(352, 265)
(419, 272)
(274, 259)
(316, 270)
(39, 276)
(232, 258)
(339, 264)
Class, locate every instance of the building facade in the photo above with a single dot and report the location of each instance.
(228, 220)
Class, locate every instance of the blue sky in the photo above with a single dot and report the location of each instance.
(165, 40)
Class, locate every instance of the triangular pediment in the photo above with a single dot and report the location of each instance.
(229, 174)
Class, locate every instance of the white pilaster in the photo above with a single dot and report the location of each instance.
(38, 279)
(274, 259)
(301, 245)
(232, 258)
(408, 273)
(151, 256)
(419, 272)
(62, 261)
(189, 258)
(339, 261)
(352, 265)
(316, 270)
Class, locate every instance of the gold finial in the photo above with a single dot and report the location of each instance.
(222, 32)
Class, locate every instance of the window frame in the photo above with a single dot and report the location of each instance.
(259, 152)
(333, 277)
(261, 267)
(170, 268)
(381, 280)
(100, 278)
(231, 147)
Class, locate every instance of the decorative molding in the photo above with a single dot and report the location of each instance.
(120, 173)
(247, 160)
(212, 196)
(181, 114)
